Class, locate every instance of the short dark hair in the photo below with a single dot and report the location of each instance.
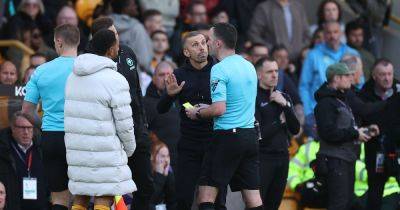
(278, 47)
(261, 62)
(192, 4)
(227, 33)
(118, 6)
(254, 45)
(381, 61)
(102, 41)
(158, 32)
(201, 26)
(39, 54)
(352, 26)
(320, 13)
(18, 114)
(150, 13)
(101, 23)
(190, 35)
(70, 34)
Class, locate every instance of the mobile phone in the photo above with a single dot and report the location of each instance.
(187, 105)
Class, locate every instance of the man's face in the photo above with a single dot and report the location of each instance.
(131, 9)
(199, 14)
(160, 43)
(331, 12)
(213, 43)
(2, 195)
(332, 35)
(31, 8)
(37, 61)
(162, 72)
(67, 15)
(8, 74)
(268, 74)
(257, 53)
(153, 23)
(383, 76)
(113, 51)
(195, 48)
(282, 58)
(221, 17)
(356, 38)
(22, 131)
(36, 39)
(344, 81)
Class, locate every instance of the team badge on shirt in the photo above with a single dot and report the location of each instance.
(214, 85)
(130, 63)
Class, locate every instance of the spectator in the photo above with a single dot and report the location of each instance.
(131, 32)
(317, 37)
(329, 10)
(281, 55)
(29, 12)
(314, 68)
(355, 38)
(209, 4)
(380, 87)
(152, 21)
(166, 125)
(219, 15)
(339, 135)
(139, 162)
(39, 46)
(66, 41)
(160, 48)
(355, 65)
(28, 73)
(373, 15)
(3, 196)
(276, 116)
(168, 9)
(98, 167)
(67, 15)
(280, 22)
(8, 73)
(240, 13)
(37, 59)
(21, 149)
(257, 51)
(164, 196)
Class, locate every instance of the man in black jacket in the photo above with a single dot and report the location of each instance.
(381, 87)
(275, 114)
(165, 126)
(20, 158)
(139, 162)
(339, 136)
(191, 84)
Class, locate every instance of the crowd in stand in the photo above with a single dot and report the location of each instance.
(142, 73)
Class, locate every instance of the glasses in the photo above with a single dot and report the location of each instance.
(29, 128)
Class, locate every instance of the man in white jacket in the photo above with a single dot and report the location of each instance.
(99, 133)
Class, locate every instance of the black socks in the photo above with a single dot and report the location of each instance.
(207, 206)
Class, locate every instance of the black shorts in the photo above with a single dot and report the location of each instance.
(232, 158)
(54, 160)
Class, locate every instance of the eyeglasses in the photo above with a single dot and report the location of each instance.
(24, 127)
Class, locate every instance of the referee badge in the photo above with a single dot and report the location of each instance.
(214, 85)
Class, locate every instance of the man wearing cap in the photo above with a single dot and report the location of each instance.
(339, 136)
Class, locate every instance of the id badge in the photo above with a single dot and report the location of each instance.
(29, 188)
(161, 207)
(380, 159)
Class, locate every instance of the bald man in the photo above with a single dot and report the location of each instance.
(8, 73)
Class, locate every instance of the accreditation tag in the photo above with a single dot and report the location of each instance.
(187, 105)
(29, 188)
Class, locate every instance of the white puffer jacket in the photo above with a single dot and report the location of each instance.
(99, 133)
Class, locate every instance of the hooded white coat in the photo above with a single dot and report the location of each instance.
(99, 133)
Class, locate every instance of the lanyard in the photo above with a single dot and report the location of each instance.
(27, 162)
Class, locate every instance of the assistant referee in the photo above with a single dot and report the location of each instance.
(233, 154)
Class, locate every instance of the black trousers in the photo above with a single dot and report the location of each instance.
(390, 202)
(190, 158)
(340, 183)
(273, 175)
(140, 165)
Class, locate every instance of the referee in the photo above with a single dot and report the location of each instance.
(232, 157)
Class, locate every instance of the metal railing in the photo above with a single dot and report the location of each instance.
(26, 51)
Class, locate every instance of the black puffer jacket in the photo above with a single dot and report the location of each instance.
(335, 124)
